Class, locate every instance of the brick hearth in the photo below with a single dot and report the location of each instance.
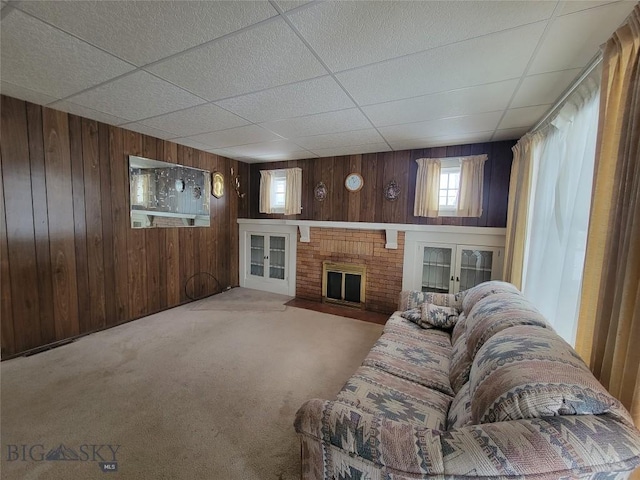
(361, 247)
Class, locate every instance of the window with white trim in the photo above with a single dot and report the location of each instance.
(449, 188)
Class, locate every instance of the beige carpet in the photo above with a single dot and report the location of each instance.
(188, 394)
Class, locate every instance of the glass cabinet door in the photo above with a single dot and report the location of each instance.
(257, 255)
(277, 250)
(436, 269)
(475, 267)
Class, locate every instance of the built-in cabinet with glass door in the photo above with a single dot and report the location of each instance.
(268, 256)
(450, 268)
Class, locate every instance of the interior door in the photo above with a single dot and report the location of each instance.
(474, 265)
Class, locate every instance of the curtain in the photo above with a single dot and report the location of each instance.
(293, 198)
(427, 188)
(609, 328)
(265, 191)
(471, 183)
(517, 209)
(559, 209)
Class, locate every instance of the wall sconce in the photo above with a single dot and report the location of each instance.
(235, 182)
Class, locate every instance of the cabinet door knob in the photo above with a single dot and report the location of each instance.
(452, 278)
(457, 279)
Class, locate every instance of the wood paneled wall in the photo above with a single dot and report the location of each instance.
(378, 169)
(70, 264)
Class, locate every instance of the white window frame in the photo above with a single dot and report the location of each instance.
(278, 179)
(449, 166)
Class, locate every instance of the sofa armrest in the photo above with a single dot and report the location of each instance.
(396, 446)
(549, 447)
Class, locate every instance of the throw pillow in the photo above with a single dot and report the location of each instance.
(438, 316)
(414, 315)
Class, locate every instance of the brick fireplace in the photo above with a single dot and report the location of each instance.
(357, 247)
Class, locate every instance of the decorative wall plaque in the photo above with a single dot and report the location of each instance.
(217, 184)
(392, 191)
(320, 192)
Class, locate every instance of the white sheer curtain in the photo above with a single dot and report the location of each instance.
(471, 185)
(292, 192)
(293, 197)
(265, 191)
(559, 210)
(427, 188)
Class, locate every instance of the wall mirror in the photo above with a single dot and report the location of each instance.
(168, 195)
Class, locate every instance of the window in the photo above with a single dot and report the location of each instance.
(278, 191)
(281, 191)
(449, 187)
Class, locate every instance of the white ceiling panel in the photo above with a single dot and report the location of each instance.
(146, 130)
(544, 88)
(576, 5)
(574, 39)
(343, 139)
(195, 120)
(523, 117)
(235, 136)
(265, 56)
(352, 34)
(305, 98)
(321, 123)
(46, 60)
(23, 93)
(82, 111)
(143, 32)
(137, 96)
(428, 142)
(482, 122)
(275, 150)
(352, 150)
(465, 101)
(188, 142)
(287, 5)
(493, 58)
(509, 134)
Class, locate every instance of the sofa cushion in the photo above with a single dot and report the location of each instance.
(460, 364)
(438, 316)
(382, 393)
(400, 326)
(530, 372)
(424, 360)
(414, 315)
(477, 293)
(460, 411)
(459, 328)
(495, 313)
(414, 298)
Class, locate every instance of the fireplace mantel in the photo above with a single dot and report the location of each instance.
(391, 229)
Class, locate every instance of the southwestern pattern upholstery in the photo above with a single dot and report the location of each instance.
(524, 405)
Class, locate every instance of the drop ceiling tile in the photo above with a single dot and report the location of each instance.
(187, 142)
(235, 136)
(265, 56)
(544, 88)
(272, 149)
(287, 5)
(136, 96)
(352, 34)
(305, 98)
(39, 57)
(524, 117)
(343, 139)
(450, 140)
(143, 32)
(577, 5)
(509, 134)
(574, 39)
(352, 150)
(18, 91)
(444, 127)
(81, 111)
(146, 130)
(493, 58)
(321, 123)
(195, 120)
(226, 153)
(280, 157)
(465, 101)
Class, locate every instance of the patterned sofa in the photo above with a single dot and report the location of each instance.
(498, 396)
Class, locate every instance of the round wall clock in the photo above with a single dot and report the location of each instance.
(354, 182)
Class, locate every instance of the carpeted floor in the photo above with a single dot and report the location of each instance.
(186, 393)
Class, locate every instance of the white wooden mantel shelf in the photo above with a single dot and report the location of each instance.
(391, 229)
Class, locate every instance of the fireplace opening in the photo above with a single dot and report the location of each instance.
(343, 283)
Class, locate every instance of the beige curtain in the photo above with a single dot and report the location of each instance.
(609, 323)
(517, 208)
(471, 184)
(427, 188)
(293, 198)
(265, 191)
